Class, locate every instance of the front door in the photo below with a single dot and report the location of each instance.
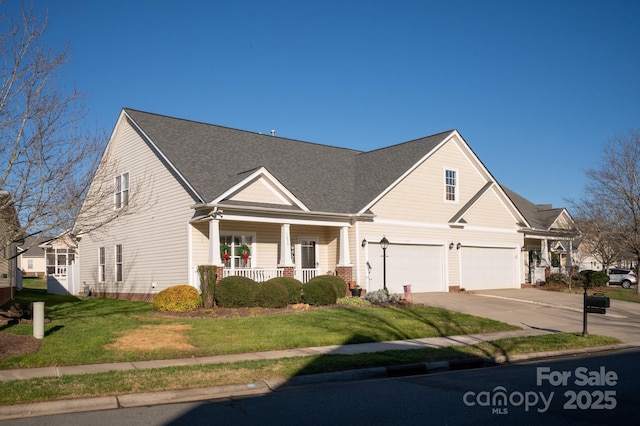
(308, 263)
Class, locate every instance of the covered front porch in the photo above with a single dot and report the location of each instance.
(546, 255)
(269, 248)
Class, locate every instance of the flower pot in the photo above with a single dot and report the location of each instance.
(356, 292)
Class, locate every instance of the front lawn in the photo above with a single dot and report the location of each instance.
(95, 330)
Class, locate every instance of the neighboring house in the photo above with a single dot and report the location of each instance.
(10, 237)
(61, 269)
(263, 206)
(31, 260)
(549, 230)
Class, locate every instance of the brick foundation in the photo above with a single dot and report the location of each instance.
(345, 272)
(288, 271)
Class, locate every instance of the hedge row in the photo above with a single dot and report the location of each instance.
(239, 292)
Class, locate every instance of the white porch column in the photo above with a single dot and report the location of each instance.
(345, 260)
(214, 242)
(285, 246)
(545, 253)
(569, 262)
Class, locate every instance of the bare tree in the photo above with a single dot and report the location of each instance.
(611, 204)
(48, 159)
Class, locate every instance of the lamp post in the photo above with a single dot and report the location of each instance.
(384, 243)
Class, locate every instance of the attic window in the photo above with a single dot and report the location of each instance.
(121, 193)
(450, 185)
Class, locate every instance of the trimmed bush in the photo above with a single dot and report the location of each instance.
(179, 298)
(236, 292)
(272, 294)
(594, 278)
(339, 284)
(560, 279)
(293, 286)
(319, 292)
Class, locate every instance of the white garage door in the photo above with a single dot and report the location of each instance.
(485, 268)
(420, 266)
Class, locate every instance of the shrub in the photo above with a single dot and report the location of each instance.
(236, 292)
(293, 286)
(594, 278)
(272, 294)
(560, 279)
(382, 296)
(319, 292)
(353, 301)
(179, 298)
(339, 284)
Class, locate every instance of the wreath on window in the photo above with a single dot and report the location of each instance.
(224, 252)
(245, 252)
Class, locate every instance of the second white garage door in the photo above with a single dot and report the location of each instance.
(421, 266)
(487, 268)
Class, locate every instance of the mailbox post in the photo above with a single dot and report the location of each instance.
(596, 304)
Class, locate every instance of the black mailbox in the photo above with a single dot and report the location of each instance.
(597, 304)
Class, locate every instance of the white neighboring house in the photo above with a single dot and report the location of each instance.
(61, 265)
(264, 206)
(31, 260)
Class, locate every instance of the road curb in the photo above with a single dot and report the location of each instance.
(271, 385)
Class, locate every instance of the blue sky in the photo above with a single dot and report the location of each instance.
(534, 87)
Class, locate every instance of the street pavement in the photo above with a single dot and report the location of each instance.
(535, 311)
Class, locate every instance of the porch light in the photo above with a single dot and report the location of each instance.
(364, 243)
(458, 246)
(450, 246)
(384, 243)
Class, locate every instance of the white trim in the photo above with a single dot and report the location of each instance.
(261, 219)
(412, 224)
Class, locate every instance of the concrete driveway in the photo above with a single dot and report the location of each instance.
(539, 309)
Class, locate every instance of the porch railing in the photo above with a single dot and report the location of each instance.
(258, 275)
(305, 275)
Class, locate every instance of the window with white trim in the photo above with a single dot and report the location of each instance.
(236, 250)
(450, 185)
(102, 265)
(118, 259)
(121, 191)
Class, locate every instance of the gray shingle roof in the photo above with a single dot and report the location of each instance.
(539, 216)
(325, 178)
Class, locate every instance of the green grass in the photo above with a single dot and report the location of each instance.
(80, 329)
(613, 292)
(175, 378)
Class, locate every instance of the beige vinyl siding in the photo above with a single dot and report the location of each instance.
(490, 211)
(260, 191)
(154, 239)
(420, 195)
(200, 244)
(415, 213)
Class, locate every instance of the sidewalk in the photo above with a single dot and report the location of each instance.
(456, 302)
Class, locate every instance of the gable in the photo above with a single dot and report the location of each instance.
(420, 194)
(563, 221)
(489, 211)
(261, 187)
